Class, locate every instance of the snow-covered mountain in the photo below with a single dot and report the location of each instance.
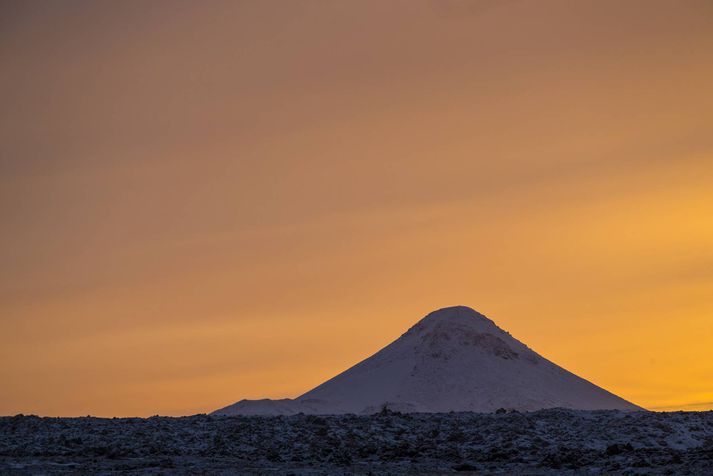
(454, 359)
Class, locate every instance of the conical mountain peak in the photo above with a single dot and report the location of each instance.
(453, 320)
(459, 330)
(454, 359)
(454, 312)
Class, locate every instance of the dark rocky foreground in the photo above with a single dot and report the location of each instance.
(543, 442)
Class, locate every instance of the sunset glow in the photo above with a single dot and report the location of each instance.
(209, 201)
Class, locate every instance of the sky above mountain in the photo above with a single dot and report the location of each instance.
(204, 200)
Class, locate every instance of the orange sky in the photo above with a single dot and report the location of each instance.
(208, 201)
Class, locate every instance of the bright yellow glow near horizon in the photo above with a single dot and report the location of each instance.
(204, 202)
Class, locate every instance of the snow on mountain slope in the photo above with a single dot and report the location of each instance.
(454, 359)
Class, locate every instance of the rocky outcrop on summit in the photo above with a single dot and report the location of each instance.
(454, 359)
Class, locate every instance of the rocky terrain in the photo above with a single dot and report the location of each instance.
(552, 441)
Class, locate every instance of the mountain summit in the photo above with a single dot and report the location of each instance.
(454, 359)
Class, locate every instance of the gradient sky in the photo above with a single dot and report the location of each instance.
(209, 201)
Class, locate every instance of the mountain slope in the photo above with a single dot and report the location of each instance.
(454, 359)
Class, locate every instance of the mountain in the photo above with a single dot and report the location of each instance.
(454, 359)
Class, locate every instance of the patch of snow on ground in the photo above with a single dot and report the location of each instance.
(555, 441)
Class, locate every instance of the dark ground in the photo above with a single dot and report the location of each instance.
(543, 442)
